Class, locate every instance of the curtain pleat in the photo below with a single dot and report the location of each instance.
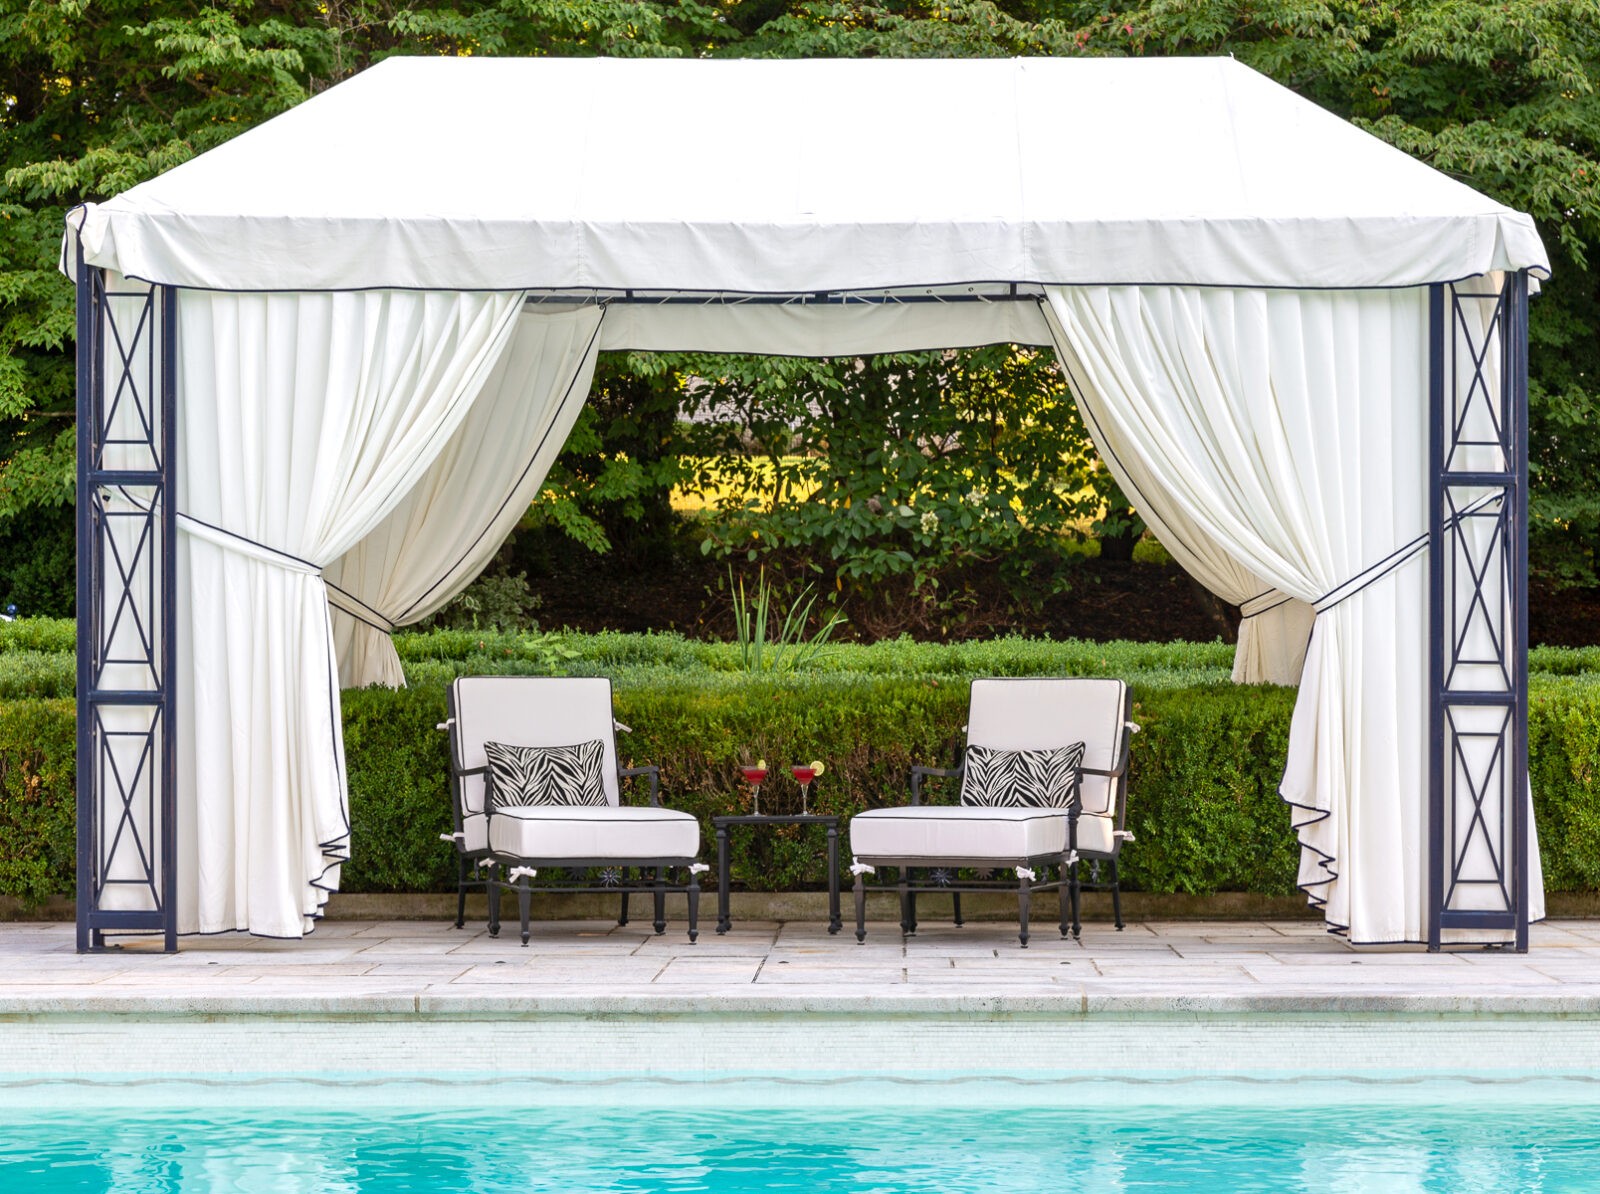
(303, 420)
(1291, 429)
(1276, 628)
(449, 526)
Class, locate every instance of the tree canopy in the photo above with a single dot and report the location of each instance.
(98, 95)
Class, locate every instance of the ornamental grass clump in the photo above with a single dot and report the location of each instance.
(791, 648)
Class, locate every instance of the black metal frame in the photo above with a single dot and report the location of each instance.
(1067, 864)
(1478, 610)
(486, 862)
(118, 594)
(126, 624)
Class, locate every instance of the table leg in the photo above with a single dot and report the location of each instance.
(723, 923)
(834, 921)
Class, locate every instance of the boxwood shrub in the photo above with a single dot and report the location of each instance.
(1203, 806)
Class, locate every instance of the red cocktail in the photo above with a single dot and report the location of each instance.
(804, 774)
(754, 776)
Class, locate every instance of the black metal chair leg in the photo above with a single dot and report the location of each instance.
(1116, 896)
(906, 915)
(1024, 899)
(913, 908)
(694, 907)
(1076, 888)
(524, 906)
(956, 896)
(661, 902)
(493, 890)
(1064, 898)
(861, 909)
(461, 891)
(622, 878)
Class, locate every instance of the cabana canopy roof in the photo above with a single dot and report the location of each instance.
(788, 177)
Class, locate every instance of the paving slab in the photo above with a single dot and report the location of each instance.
(405, 967)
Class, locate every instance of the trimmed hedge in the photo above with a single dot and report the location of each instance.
(1204, 802)
(38, 806)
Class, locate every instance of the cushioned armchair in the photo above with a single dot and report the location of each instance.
(535, 785)
(1043, 788)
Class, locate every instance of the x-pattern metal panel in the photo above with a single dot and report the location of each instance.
(1478, 593)
(126, 530)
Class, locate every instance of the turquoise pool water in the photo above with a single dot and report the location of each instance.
(1223, 1136)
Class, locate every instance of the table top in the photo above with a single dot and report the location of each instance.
(776, 819)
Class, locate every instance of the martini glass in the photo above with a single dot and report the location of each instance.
(754, 777)
(804, 775)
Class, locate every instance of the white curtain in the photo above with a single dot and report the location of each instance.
(449, 526)
(1275, 628)
(1291, 426)
(303, 420)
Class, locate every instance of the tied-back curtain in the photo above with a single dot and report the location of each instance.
(303, 420)
(1291, 427)
(451, 523)
(1275, 628)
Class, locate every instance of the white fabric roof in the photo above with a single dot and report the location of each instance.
(795, 176)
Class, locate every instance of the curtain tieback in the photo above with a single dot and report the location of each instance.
(1261, 603)
(1406, 552)
(341, 600)
(266, 554)
(347, 602)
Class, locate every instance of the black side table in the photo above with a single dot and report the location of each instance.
(721, 825)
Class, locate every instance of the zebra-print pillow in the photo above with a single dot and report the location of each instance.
(522, 775)
(1022, 778)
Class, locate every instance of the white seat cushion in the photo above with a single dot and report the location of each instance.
(1094, 834)
(602, 834)
(960, 833)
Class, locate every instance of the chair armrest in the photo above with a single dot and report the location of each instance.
(655, 780)
(1124, 752)
(918, 773)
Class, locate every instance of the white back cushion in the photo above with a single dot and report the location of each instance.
(1038, 713)
(531, 711)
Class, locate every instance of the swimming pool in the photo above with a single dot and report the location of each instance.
(863, 1137)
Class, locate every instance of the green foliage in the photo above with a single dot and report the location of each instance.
(896, 464)
(495, 601)
(1564, 767)
(39, 634)
(1500, 93)
(794, 645)
(38, 562)
(36, 660)
(36, 675)
(395, 760)
(1203, 784)
(614, 478)
(38, 805)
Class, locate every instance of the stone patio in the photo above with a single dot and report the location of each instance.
(420, 965)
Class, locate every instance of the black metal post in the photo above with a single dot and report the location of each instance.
(127, 642)
(1439, 423)
(1515, 388)
(1478, 611)
(169, 615)
(89, 390)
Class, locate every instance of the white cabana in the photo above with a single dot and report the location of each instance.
(374, 320)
